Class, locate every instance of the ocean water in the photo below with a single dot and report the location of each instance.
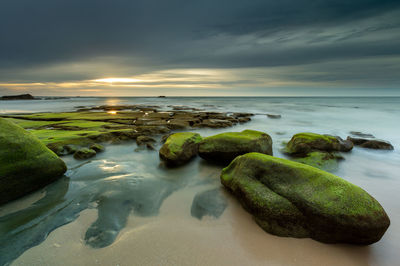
(125, 208)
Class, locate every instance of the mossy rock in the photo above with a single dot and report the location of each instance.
(97, 147)
(84, 153)
(326, 161)
(180, 148)
(25, 163)
(293, 199)
(303, 143)
(225, 147)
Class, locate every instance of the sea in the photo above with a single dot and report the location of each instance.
(126, 208)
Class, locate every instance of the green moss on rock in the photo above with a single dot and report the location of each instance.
(225, 147)
(25, 163)
(322, 160)
(293, 199)
(180, 148)
(303, 143)
(84, 153)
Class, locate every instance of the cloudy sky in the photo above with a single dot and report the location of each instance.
(203, 47)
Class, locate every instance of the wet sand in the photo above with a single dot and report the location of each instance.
(174, 237)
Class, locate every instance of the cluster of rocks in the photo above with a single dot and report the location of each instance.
(117, 124)
(179, 148)
(286, 198)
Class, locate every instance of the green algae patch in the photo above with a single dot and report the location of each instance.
(332, 209)
(225, 147)
(31, 124)
(321, 160)
(180, 148)
(26, 163)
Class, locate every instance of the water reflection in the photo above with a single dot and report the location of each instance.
(211, 202)
(133, 184)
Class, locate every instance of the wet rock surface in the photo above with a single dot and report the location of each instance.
(225, 147)
(293, 199)
(180, 148)
(84, 153)
(317, 150)
(25, 163)
(369, 143)
(114, 124)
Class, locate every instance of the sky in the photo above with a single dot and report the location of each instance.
(200, 48)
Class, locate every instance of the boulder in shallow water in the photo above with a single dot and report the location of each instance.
(297, 200)
(371, 143)
(225, 147)
(303, 143)
(84, 153)
(272, 116)
(26, 164)
(97, 147)
(179, 148)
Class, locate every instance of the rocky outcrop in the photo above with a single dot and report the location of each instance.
(180, 148)
(25, 163)
(225, 147)
(292, 199)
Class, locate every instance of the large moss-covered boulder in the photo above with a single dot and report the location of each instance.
(303, 143)
(180, 148)
(293, 199)
(25, 163)
(225, 147)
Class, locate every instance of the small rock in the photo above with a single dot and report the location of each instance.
(97, 147)
(180, 148)
(274, 116)
(143, 140)
(362, 135)
(371, 143)
(84, 153)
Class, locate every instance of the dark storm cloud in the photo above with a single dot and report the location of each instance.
(75, 39)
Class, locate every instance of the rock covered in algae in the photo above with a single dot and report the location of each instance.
(25, 163)
(180, 148)
(84, 153)
(225, 147)
(303, 143)
(296, 200)
(326, 161)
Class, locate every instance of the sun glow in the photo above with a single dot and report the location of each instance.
(117, 80)
(112, 112)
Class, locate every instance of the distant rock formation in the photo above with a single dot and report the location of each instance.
(18, 97)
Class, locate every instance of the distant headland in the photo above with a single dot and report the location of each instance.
(18, 97)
